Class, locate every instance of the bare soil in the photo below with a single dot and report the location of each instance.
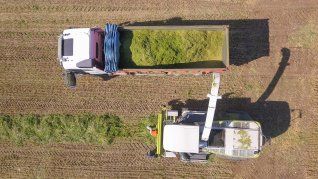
(273, 76)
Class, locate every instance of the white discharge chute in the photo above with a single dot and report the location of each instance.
(213, 96)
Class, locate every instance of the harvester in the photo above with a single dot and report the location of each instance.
(195, 135)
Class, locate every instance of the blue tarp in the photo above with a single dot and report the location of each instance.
(111, 48)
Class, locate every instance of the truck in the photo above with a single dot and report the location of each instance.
(194, 136)
(143, 50)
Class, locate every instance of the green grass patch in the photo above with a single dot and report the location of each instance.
(171, 48)
(85, 128)
(143, 132)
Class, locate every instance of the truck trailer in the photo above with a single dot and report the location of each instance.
(144, 50)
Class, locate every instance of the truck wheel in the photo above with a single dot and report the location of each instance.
(70, 79)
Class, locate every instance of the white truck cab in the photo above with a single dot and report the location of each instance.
(81, 50)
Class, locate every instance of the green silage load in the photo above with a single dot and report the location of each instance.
(161, 48)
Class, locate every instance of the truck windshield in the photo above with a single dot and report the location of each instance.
(67, 47)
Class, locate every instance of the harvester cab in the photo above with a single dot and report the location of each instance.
(194, 135)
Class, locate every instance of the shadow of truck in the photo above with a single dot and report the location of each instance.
(249, 39)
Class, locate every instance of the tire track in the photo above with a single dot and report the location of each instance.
(103, 161)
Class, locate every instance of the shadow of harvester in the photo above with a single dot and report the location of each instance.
(274, 116)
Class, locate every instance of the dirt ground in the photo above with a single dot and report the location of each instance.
(273, 76)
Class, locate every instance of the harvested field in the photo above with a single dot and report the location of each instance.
(273, 76)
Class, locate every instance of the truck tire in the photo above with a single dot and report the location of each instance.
(70, 79)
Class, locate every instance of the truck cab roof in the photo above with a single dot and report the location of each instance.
(75, 47)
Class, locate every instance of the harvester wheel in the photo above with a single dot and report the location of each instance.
(151, 154)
